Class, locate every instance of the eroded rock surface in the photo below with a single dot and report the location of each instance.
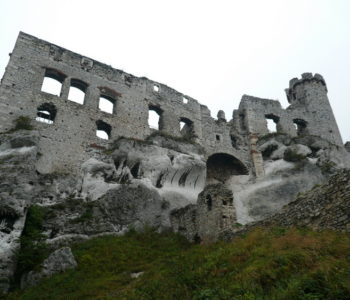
(158, 183)
(325, 206)
(18, 178)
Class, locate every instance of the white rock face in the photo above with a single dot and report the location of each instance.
(300, 149)
(279, 153)
(9, 244)
(140, 185)
(256, 199)
(17, 177)
(170, 171)
(94, 183)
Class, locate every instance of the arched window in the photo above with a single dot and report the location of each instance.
(52, 82)
(272, 122)
(156, 88)
(46, 113)
(108, 99)
(103, 130)
(77, 91)
(186, 128)
(155, 117)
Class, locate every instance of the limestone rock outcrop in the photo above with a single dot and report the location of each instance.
(18, 154)
(59, 261)
(324, 207)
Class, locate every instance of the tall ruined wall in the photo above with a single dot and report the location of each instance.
(71, 139)
(309, 102)
(66, 143)
(309, 112)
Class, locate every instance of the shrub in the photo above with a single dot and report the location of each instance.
(87, 215)
(23, 122)
(33, 249)
(292, 156)
(269, 150)
(328, 167)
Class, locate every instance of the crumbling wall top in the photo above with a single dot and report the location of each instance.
(255, 102)
(306, 77)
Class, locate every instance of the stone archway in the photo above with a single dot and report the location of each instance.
(221, 166)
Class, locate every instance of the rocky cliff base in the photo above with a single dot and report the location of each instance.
(161, 183)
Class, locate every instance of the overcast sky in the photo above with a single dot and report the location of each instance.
(213, 51)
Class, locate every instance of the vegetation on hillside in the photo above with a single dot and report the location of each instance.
(33, 248)
(272, 263)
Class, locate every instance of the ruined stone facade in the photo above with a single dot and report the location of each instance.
(68, 136)
(214, 213)
(199, 176)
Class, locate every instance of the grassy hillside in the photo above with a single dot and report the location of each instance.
(265, 264)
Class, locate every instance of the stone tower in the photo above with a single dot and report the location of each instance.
(310, 107)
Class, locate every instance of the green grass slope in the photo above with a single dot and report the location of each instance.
(272, 263)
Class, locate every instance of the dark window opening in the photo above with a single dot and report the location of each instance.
(242, 122)
(106, 104)
(209, 202)
(77, 91)
(197, 239)
(218, 137)
(103, 130)
(234, 141)
(160, 181)
(135, 170)
(46, 113)
(272, 122)
(301, 126)
(186, 128)
(155, 117)
(224, 202)
(52, 82)
(221, 166)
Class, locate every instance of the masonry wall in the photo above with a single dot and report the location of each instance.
(309, 100)
(309, 112)
(67, 142)
(71, 139)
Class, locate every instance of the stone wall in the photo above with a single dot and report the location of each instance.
(326, 206)
(67, 138)
(309, 112)
(66, 143)
(204, 221)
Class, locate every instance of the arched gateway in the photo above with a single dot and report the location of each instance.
(221, 166)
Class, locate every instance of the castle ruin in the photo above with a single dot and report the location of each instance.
(68, 129)
(97, 166)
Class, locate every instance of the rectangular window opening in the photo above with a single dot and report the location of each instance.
(106, 104)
